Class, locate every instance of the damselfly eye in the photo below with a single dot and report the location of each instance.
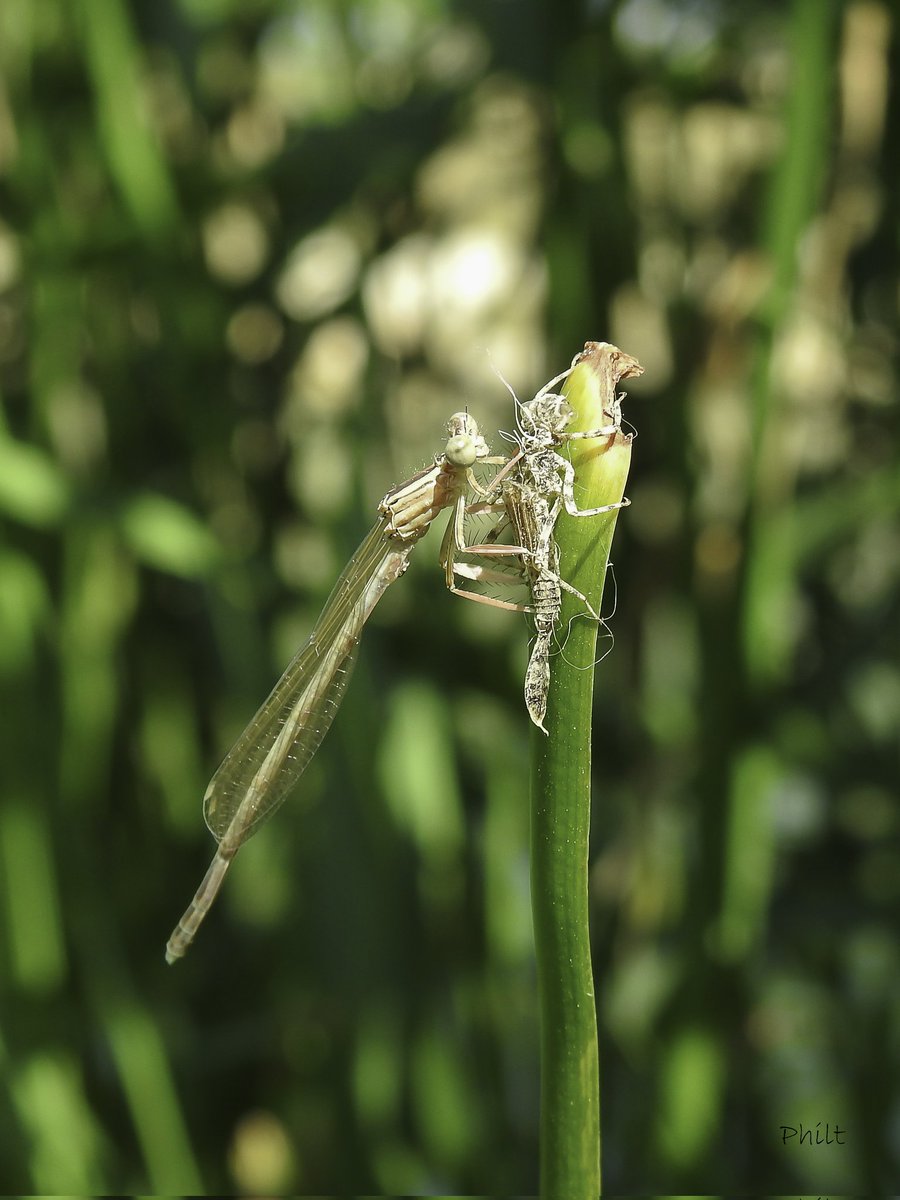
(563, 414)
(461, 450)
(528, 418)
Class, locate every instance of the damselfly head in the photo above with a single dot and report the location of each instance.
(547, 413)
(465, 444)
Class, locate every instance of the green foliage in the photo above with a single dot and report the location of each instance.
(561, 807)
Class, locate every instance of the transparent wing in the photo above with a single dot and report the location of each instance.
(275, 748)
(485, 571)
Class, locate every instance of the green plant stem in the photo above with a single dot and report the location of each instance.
(561, 800)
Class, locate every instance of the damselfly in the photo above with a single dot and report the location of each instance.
(275, 748)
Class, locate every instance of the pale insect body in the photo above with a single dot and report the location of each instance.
(271, 754)
(533, 518)
(529, 494)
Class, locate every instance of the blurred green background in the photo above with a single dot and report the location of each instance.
(253, 253)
